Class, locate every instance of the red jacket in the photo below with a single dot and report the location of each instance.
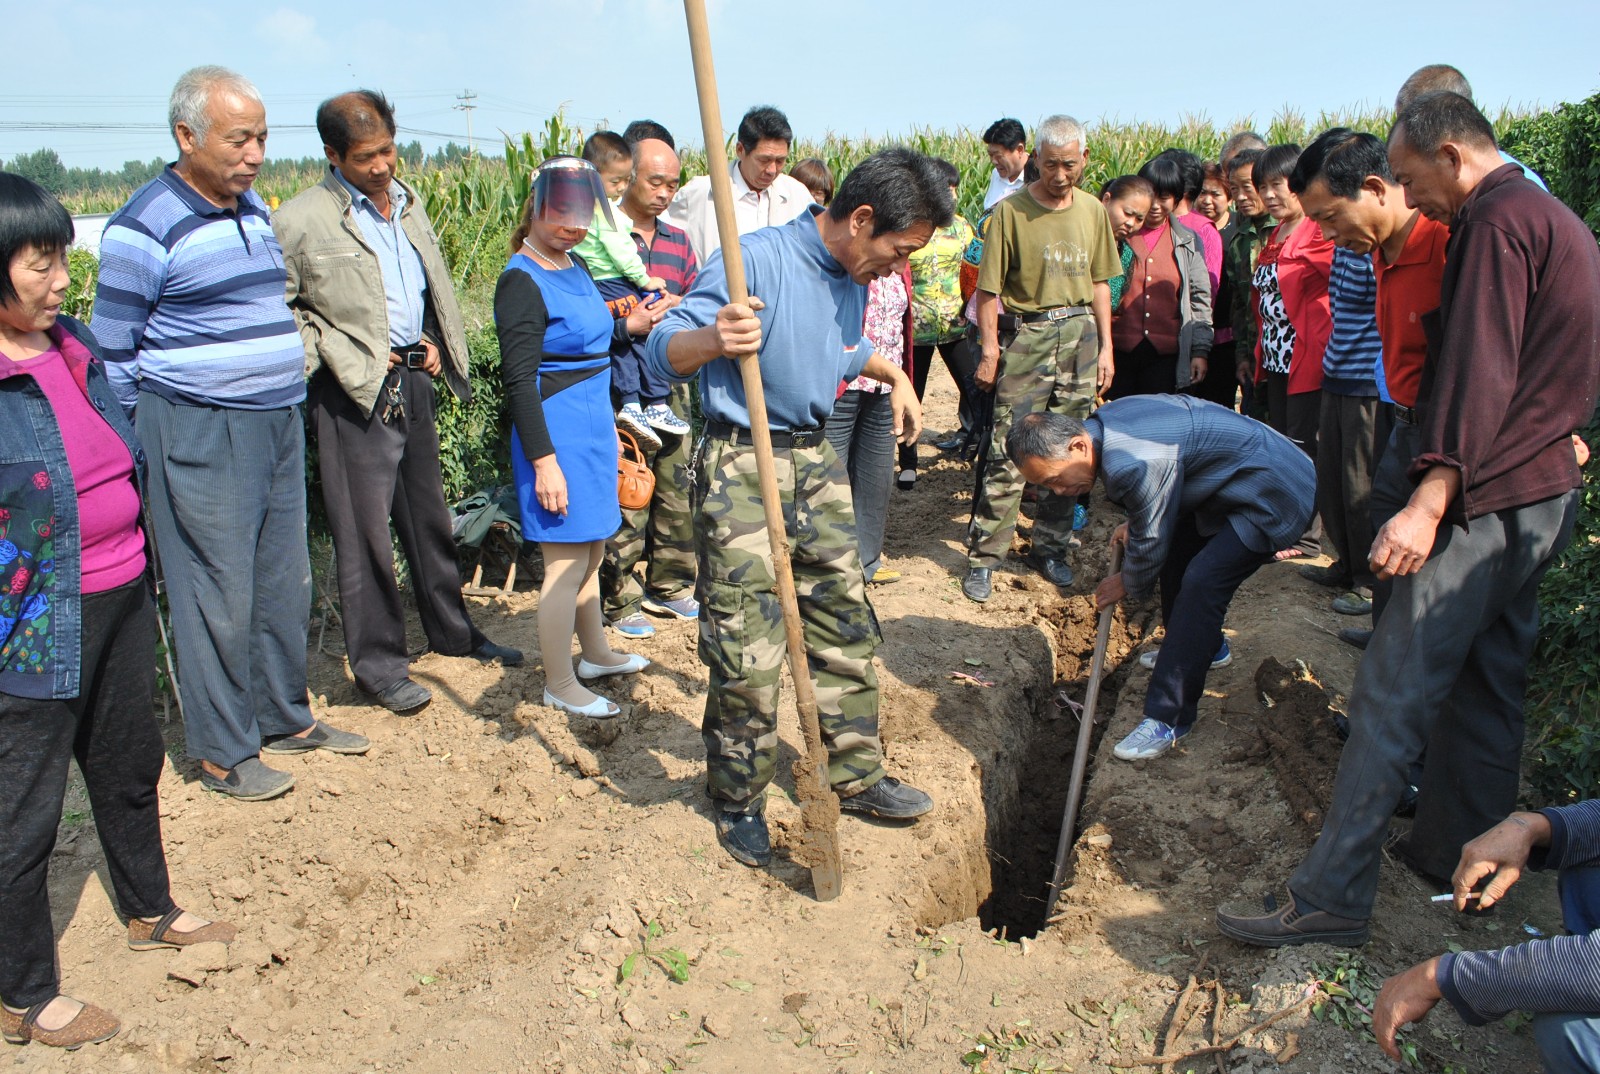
(1303, 267)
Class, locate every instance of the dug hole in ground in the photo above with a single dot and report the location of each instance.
(495, 888)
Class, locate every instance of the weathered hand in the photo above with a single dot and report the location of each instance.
(1404, 544)
(432, 364)
(1198, 367)
(907, 412)
(1405, 998)
(1109, 591)
(1501, 852)
(988, 370)
(738, 328)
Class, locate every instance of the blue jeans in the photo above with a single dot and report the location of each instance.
(1570, 1043)
(861, 430)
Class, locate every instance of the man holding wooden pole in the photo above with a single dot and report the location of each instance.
(806, 328)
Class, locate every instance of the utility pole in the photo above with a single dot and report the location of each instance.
(466, 98)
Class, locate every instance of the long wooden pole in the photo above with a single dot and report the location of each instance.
(1080, 759)
(819, 807)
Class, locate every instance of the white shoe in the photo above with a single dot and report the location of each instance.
(1150, 739)
(599, 709)
(633, 663)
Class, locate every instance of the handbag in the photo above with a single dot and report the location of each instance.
(635, 483)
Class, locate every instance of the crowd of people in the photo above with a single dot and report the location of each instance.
(1277, 353)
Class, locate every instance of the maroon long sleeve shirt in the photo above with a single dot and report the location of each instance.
(1514, 349)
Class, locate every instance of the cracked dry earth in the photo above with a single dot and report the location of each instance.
(468, 896)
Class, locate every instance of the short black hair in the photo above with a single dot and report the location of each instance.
(1124, 185)
(761, 123)
(1444, 117)
(1005, 132)
(1190, 168)
(1164, 175)
(606, 147)
(1342, 159)
(1276, 163)
(349, 117)
(30, 218)
(641, 129)
(901, 186)
(1244, 158)
(952, 173)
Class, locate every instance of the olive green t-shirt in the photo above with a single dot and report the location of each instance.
(1037, 259)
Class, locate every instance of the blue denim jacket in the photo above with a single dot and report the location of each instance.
(41, 601)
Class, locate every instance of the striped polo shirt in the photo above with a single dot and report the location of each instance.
(190, 302)
(1349, 365)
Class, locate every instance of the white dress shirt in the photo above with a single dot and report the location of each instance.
(693, 211)
(1000, 187)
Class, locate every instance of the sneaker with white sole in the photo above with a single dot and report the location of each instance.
(631, 418)
(677, 608)
(660, 416)
(1223, 658)
(1150, 739)
(634, 626)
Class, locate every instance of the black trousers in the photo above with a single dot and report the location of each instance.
(961, 359)
(1297, 417)
(374, 473)
(1221, 385)
(1143, 371)
(110, 728)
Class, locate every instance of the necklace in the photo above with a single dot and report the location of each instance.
(534, 250)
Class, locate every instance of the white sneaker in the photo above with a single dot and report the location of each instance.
(631, 418)
(660, 416)
(1150, 739)
(1223, 658)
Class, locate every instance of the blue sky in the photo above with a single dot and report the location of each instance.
(851, 66)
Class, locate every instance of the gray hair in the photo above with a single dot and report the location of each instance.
(192, 96)
(1042, 435)
(1060, 131)
(1434, 78)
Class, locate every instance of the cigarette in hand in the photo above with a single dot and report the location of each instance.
(1449, 896)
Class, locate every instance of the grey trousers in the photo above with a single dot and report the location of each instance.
(228, 503)
(861, 430)
(1446, 669)
(1348, 439)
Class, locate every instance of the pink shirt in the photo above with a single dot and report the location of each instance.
(111, 544)
(887, 306)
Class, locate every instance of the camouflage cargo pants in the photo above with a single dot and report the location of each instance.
(741, 619)
(1051, 365)
(661, 534)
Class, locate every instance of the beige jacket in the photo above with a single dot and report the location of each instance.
(335, 289)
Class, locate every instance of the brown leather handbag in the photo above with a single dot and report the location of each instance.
(635, 483)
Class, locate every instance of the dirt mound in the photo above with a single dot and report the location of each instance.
(1299, 730)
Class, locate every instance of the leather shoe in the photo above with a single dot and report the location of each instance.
(1055, 571)
(1291, 924)
(1357, 636)
(404, 697)
(977, 585)
(744, 837)
(890, 799)
(956, 441)
(489, 653)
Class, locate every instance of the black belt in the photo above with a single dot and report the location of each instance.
(1407, 414)
(1060, 313)
(792, 438)
(412, 357)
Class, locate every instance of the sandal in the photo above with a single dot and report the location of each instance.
(91, 1025)
(153, 935)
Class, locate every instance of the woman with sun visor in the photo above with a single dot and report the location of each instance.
(556, 338)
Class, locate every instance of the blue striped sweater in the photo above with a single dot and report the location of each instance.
(190, 302)
(1349, 365)
(1560, 974)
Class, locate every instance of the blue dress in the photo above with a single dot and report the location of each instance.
(555, 335)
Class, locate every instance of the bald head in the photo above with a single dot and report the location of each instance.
(656, 171)
(1425, 81)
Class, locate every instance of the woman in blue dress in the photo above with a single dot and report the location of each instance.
(556, 337)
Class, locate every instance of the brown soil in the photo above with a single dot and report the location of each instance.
(467, 896)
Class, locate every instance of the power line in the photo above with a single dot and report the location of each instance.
(466, 98)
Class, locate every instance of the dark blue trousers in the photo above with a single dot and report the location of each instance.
(1198, 582)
